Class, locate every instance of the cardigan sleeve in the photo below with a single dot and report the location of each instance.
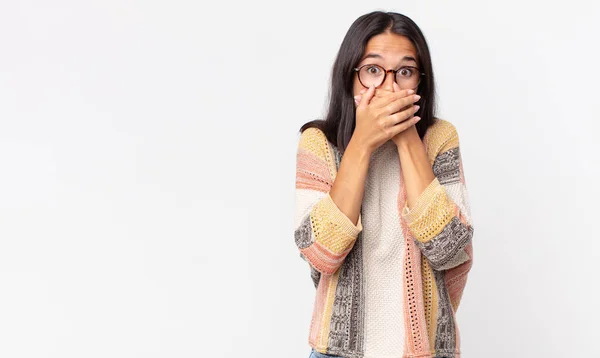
(440, 219)
(324, 235)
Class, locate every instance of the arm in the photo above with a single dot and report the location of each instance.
(437, 209)
(327, 205)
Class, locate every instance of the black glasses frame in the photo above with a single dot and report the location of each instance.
(357, 69)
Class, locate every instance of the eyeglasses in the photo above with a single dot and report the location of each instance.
(407, 77)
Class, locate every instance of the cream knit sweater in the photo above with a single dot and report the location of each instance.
(388, 286)
(383, 252)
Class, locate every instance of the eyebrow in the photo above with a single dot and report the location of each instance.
(376, 55)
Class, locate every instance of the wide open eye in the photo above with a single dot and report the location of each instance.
(371, 75)
(406, 72)
(373, 70)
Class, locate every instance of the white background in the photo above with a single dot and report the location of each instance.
(147, 163)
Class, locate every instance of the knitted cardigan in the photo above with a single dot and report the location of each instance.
(438, 252)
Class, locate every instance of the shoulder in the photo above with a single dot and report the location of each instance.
(440, 137)
(313, 143)
(316, 152)
(441, 130)
(314, 140)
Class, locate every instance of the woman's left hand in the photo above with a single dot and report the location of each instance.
(400, 137)
(381, 94)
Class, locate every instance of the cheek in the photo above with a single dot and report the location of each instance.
(357, 87)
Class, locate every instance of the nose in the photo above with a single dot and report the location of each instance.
(388, 83)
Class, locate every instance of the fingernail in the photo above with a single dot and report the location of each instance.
(417, 107)
(417, 119)
(411, 91)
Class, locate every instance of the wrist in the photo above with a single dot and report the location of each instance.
(407, 137)
(359, 149)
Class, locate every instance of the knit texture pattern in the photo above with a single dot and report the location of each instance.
(383, 248)
(388, 286)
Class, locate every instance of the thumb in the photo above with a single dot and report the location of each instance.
(364, 100)
(359, 96)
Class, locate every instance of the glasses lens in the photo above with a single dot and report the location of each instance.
(371, 75)
(408, 77)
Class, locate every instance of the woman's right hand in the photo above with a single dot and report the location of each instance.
(377, 121)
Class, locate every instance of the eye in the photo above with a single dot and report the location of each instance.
(406, 72)
(373, 70)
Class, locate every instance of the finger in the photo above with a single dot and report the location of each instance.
(383, 93)
(402, 104)
(366, 98)
(381, 98)
(384, 98)
(404, 125)
(398, 91)
(403, 116)
(393, 96)
(359, 96)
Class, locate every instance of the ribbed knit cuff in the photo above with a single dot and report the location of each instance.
(341, 219)
(423, 201)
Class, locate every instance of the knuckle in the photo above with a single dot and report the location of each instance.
(384, 128)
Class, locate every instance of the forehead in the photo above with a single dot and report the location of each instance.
(390, 46)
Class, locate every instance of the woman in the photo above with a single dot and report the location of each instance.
(382, 213)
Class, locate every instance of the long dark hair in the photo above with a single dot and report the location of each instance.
(339, 124)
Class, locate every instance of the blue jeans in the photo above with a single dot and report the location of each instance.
(315, 354)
